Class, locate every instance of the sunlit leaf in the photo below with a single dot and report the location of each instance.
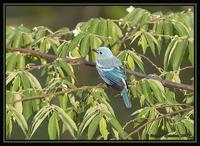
(85, 44)
(52, 126)
(11, 64)
(20, 119)
(103, 128)
(178, 54)
(93, 126)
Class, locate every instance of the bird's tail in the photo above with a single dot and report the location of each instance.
(126, 98)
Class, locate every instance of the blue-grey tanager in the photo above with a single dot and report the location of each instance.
(111, 71)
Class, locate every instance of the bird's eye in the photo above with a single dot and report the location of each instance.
(100, 52)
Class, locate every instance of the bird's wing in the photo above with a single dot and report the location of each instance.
(114, 76)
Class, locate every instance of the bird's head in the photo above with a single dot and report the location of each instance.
(103, 52)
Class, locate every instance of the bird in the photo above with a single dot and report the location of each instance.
(112, 72)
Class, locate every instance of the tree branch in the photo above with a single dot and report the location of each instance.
(60, 92)
(160, 117)
(88, 63)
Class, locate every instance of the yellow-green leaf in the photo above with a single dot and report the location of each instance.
(12, 62)
(103, 128)
(52, 128)
(93, 126)
(20, 61)
(102, 28)
(178, 54)
(85, 46)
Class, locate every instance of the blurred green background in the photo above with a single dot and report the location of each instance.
(56, 17)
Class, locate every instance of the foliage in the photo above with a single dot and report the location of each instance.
(87, 109)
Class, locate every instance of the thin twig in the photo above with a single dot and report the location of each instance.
(160, 117)
(88, 63)
(151, 62)
(158, 107)
(60, 92)
(37, 67)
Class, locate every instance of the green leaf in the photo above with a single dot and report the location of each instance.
(145, 18)
(130, 62)
(39, 118)
(20, 61)
(169, 49)
(102, 28)
(159, 27)
(60, 49)
(20, 119)
(85, 44)
(66, 67)
(16, 84)
(117, 125)
(116, 30)
(93, 26)
(158, 89)
(137, 60)
(8, 124)
(12, 62)
(25, 80)
(52, 126)
(84, 25)
(189, 124)
(44, 45)
(152, 41)
(10, 77)
(27, 39)
(9, 37)
(18, 105)
(147, 91)
(181, 128)
(17, 39)
(191, 52)
(116, 134)
(63, 99)
(153, 128)
(54, 42)
(178, 54)
(67, 121)
(60, 72)
(111, 33)
(95, 42)
(69, 84)
(168, 126)
(34, 82)
(63, 30)
(75, 42)
(40, 32)
(93, 126)
(66, 117)
(142, 98)
(143, 43)
(86, 121)
(137, 17)
(103, 128)
(180, 28)
(168, 28)
(131, 16)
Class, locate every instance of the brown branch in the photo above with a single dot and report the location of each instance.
(60, 92)
(160, 117)
(164, 82)
(88, 63)
(37, 67)
(158, 107)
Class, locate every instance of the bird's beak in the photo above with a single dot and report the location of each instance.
(94, 50)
